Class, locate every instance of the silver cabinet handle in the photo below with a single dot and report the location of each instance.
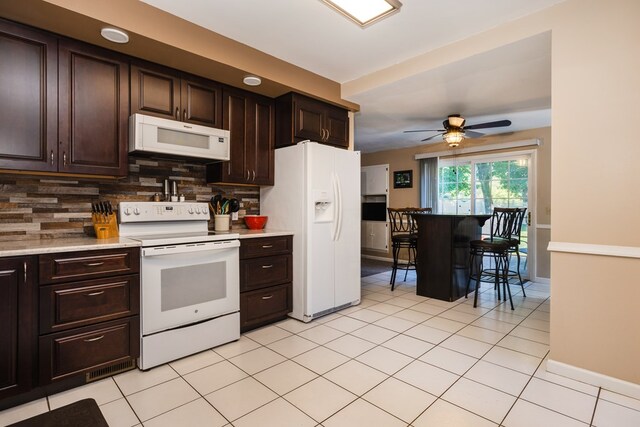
(248, 174)
(64, 159)
(24, 266)
(267, 266)
(94, 339)
(328, 134)
(254, 175)
(51, 157)
(93, 264)
(267, 246)
(184, 114)
(267, 297)
(94, 294)
(177, 113)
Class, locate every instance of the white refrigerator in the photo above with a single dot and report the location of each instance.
(317, 196)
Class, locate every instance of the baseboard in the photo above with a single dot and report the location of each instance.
(377, 258)
(599, 380)
(543, 280)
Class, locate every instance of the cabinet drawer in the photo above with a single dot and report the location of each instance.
(265, 246)
(56, 268)
(83, 303)
(73, 352)
(266, 271)
(264, 306)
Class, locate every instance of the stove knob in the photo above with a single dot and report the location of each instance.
(190, 210)
(136, 211)
(127, 211)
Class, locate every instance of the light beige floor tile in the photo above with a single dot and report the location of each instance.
(232, 349)
(362, 414)
(356, 377)
(267, 334)
(413, 315)
(385, 360)
(444, 324)
(240, 398)
(164, 397)
(119, 414)
(292, 346)
(444, 304)
(560, 399)
(524, 346)
(444, 414)
(620, 399)
(294, 326)
(513, 360)
(504, 317)
(103, 391)
(347, 311)
(375, 334)
(526, 414)
(427, 377)
(543, 374)
(257, 360)
(411, 294)
(410, 346)
(428, 334)
(24, 411)
(385, 308)
(541, 337)
(427, 308)
(321, 360)
(278, 413)
(320, 398)
(402, 302)
(467, 307)
(498, 377)
(378, 297)
(541, 325)
(367, 315)
(327, 318)
(460, 316)
(540, 315)
(466, 345)
(214, 377)
(197, 361)
(609, 414)
(494, 325)
(349, 345)
(285, 377)
(321, 334)
(481, 334)
(346, 324)
(450, 360)
(400, 399)
(480, 399)
(395, 323)
(194, 414)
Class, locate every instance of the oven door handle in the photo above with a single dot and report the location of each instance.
(189, 247)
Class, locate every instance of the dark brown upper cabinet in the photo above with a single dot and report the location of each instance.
(167, 93)
(63, 104)
(299, 117)
(250, 120)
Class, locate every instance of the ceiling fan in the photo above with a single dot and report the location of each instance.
(455, 131)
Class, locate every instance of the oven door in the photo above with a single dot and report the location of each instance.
(188, 283)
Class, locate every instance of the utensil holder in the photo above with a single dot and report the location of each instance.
(105, 225)
(221, 222)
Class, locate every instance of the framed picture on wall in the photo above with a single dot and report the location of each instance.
(403, 179)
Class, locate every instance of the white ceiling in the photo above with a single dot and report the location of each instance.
(512, 82)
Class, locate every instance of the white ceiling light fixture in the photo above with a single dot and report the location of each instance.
(252, 80)
(115, 35)
(365, 13)
(453, 137)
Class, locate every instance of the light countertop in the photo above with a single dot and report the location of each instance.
(245, 233)
(35, 247)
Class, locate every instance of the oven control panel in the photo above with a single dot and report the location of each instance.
(162, 211)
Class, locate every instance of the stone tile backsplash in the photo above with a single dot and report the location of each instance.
(45, 207)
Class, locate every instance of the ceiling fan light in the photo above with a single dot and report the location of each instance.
(453, 138)
(456, 121)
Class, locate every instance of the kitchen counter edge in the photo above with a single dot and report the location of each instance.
(250, 234)
(37, 247)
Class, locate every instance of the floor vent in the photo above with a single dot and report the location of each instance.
(107, 371)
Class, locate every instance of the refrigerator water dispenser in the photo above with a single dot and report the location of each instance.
(323, 206)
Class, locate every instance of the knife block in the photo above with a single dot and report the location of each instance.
(105, 226)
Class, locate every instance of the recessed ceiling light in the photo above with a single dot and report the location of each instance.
(115, 35)
(365, 13)
(252, 81)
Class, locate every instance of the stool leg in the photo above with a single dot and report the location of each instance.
(505, 279)
(519, 276)
(480, 269)
(406, 270)
(472, 258)
(496, 279)
(395, 266)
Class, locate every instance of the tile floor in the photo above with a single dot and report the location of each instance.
(397, 359)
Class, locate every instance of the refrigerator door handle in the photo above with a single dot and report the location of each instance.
(338, 208)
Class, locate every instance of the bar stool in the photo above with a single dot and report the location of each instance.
(404, 235)
(497, 248)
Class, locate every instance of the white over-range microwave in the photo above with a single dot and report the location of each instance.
(154, 135)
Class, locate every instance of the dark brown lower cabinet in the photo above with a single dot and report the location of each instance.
(265, 305)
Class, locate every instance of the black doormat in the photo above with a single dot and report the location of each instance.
(369, 267)
(83, 413)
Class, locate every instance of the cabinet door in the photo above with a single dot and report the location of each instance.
(155, 91)
(308, 119)
(235, 121)
(259, 151)
(337, 126)
(201, 102)
(94, 112)
(17, 315)
(28, 99)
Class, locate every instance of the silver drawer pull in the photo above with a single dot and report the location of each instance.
(267, 246)
(93, 294)
(94, 339)
(268, 266)
(93, 264)
(267, 297)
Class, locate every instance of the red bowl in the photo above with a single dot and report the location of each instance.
(256, 222)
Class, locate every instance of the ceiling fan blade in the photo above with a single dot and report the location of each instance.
(472, 134)
(431, 137)
(496, 124)
(424, 130)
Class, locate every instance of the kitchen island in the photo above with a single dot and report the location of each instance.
(443, 253)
